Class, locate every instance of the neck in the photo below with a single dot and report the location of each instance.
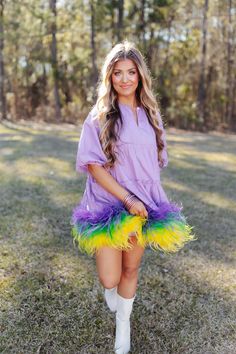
(132, 102)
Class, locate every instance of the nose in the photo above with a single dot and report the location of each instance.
(124, 78)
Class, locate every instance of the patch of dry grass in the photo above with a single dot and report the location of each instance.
(50, 298)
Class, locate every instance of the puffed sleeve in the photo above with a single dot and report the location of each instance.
(89, 146)
(164, 153)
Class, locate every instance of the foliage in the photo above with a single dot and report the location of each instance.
(169, 33)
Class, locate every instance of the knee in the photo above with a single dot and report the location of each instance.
(130, 272)
(109, 283)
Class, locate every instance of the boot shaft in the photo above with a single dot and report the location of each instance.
(124, 307)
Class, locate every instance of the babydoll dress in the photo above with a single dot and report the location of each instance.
(100, 219)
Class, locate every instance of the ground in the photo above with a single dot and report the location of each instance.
(50, 298)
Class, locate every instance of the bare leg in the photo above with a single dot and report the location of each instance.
(109, 266)
(130, 265)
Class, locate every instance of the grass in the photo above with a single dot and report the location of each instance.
(50, 298)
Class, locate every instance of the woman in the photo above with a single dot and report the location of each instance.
(124, 207)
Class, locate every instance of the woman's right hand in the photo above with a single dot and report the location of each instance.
(138, 208)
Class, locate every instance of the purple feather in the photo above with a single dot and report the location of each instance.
(84, 218)
(95, 217)
(163, 210)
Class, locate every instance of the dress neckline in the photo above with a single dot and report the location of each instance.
(137, 110)
(127, 105)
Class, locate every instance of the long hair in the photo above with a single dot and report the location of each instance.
(108, 112)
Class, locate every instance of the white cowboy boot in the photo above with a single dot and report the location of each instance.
(124, 309)
(111, 298)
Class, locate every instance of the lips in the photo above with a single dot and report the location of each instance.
(126, 86)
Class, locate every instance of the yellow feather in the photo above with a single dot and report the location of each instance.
(169, 238)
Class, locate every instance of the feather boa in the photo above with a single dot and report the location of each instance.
(165, 229)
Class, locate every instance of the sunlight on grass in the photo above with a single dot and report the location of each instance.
(210, 198)
(184, 164)
(6, 289)
(62, 168)
(182, 138)
(27, 167)
(214, 274)
(51, 298)
(5, 169)
(177, 186)
(44, 166)
(64, 265)
(17, 137)
(40, 128)
(217, 200)
(213, 159)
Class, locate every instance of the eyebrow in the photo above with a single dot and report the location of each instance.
(127, 70)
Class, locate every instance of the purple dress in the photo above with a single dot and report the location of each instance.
(100, 219)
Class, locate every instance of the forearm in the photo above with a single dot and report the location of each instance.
(107, 181)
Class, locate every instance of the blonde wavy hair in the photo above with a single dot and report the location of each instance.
(108, 112)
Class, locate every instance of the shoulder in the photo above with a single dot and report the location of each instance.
(92, 115)
(92, 119)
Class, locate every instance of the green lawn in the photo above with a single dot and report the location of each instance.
(50, 298)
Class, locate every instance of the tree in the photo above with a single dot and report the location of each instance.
(55, 71)
(2, 77)
(202, 78)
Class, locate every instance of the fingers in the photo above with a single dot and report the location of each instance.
(139, 209)
(143, 213)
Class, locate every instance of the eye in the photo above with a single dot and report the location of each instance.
(132, 72)
(117, 73)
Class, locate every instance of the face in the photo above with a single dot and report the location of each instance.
(125, 78)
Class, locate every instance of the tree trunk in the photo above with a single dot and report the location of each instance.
(120, 20)
(94, 75)
(202, 81)
(229, 83)
(2, 91)
(149, 54)
(15, 81)
(112, 24)
(142, 28)
(233, 112)
(55, 70)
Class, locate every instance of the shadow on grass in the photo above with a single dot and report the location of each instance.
(54, 302)
(51, 298)
(203, 143)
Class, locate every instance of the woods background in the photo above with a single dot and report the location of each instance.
(51, 54)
